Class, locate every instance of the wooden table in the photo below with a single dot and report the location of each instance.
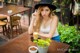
(21, 43)
(15, 10)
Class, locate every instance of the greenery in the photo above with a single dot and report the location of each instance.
(42, 42)
(71, 36)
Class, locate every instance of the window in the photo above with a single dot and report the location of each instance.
(1, 4)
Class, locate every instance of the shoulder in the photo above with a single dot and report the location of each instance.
(54, 21)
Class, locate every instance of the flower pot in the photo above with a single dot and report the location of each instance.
(42, 49)
(33, 49)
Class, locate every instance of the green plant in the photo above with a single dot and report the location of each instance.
(71, 36)
(42, 42)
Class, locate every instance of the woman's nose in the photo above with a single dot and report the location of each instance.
(44, 12)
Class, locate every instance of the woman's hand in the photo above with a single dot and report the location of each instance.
(36, 14)
(32, 24)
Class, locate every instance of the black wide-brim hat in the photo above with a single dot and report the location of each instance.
(45, 3)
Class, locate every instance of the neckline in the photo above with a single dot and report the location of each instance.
(47, 24)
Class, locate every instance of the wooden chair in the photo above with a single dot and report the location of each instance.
(16, 24)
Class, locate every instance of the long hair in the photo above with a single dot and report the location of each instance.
(39, 20)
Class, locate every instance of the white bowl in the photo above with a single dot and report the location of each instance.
(33, 51)
(9, 11)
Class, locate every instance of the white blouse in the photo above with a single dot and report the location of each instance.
(46, 30)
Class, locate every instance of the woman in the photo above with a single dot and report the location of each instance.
(44, 21)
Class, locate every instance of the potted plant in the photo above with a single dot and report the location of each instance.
(42, 44)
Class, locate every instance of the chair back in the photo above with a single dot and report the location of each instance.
(15, 18)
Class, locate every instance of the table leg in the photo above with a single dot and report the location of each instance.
(11, 29)
(29, 13)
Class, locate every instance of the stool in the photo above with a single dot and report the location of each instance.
(2, 17)
(3, 24)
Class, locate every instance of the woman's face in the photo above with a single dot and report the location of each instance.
(45, 11)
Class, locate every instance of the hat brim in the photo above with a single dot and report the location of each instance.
(53, 7)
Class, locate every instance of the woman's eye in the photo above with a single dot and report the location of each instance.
(47, 10)
(42, 10)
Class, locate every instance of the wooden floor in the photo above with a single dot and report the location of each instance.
(24, 24)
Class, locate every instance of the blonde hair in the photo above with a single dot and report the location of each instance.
(39, 20)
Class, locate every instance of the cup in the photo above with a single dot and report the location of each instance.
(35, 35)
(33, 49)
(9, 11)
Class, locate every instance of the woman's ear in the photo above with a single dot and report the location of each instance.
(52, 13)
